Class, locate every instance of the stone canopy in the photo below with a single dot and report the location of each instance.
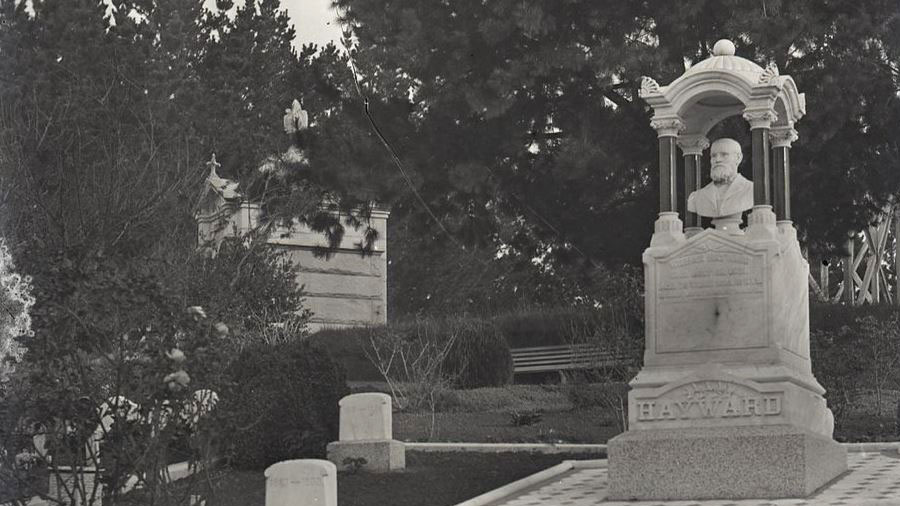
(722, 86)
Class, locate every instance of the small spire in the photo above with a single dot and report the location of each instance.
(295, 118)
(213, 164)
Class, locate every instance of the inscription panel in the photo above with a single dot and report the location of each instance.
(709, 400)
(710, 298)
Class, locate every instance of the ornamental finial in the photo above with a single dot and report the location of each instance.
(295, 118)
(723, 47)
(213, 164)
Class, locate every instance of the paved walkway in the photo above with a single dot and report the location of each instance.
(873, 479)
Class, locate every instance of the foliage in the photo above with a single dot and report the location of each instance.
(523, 134)
(353, 465)
(518, 419)
(854, 349)
(345, 345)
(15, 303)
(612, 397)
(412, 360)
(282, 404)
(251, 287)
(109, 372)
(479, 356)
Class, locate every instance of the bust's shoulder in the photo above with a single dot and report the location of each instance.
(741, 182)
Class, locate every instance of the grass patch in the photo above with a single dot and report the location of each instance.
(590, 425)
(510, 397)
(433, 479)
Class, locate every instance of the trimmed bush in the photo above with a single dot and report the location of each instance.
(855, 349)
(480, 356)
(347, 347)
(283, 403)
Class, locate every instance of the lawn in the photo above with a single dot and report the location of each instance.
(586, 425)
(432, 479)
(579, 413)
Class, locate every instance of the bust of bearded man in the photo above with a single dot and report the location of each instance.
(729, 193)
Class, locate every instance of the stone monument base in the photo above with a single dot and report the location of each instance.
(380, 455)
(764, 462)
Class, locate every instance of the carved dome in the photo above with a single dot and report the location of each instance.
(723, 59)
(721, 86)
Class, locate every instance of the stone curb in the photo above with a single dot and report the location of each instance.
(519, 485)
(545, 448)
(872, 447)
(548, 448)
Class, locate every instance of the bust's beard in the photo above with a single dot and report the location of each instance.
(722, 174)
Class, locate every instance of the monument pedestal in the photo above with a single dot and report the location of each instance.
(726, 405)
(764, 462)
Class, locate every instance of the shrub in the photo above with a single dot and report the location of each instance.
(249, 285)
(613, 397)
(854, 349)
(536, 326)
(283, 403)
(345, 345)
(113, 356)
(479, 356)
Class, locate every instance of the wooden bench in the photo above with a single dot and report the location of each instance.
(564, 357)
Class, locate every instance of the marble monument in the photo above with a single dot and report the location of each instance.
(725, 405)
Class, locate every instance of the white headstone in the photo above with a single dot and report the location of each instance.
(305, 482)
(365, 417)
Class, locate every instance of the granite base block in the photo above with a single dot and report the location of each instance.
(722, 463)
(380, 455)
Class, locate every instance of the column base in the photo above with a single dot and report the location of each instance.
(722, 463)
(667, 230)
(761, 223)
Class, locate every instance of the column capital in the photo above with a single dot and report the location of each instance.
(693, 144)
(782, 137)
(760, 118)
(667, 127)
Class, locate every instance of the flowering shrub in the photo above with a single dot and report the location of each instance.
(15, 304)
(108, 378)
(250, 289)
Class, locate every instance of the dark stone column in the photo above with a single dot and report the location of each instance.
(781, 139)
(692, 147)
(761, 223)
(761, 171)
(667, 166)
(667, 229)
(667, 129)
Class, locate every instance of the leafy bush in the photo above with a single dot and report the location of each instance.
(346, 347)
(283, 403)
(854, 349)
(112, 350)
(249, 285)
(479, 356)
(613, 397)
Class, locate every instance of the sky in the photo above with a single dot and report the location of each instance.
(314, 21)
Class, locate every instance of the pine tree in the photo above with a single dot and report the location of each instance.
(527, 125)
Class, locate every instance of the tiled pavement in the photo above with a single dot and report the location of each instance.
(873, 478)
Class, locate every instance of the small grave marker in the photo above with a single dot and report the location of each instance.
(305, 482)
